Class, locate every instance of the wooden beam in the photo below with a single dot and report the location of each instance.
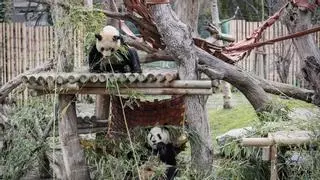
(280, 138)
(205, 84)
(145, 91)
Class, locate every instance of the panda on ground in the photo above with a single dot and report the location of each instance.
(161, 144)
(111, 54)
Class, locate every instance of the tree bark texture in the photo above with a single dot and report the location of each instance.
(63, 34)
(188, 12)
(110, 5)
(179, 43)
(217, 69)
(73, 155)
(102, 106)
(298, 19)
(226, 87)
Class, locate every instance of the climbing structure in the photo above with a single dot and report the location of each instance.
(121, 86)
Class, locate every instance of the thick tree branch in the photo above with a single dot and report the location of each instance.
(237, 77)
(139, 45)
(157, 56)
(269, 86)
(9, 86)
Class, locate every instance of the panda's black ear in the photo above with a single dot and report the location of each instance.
(116, 38)
(98, 36)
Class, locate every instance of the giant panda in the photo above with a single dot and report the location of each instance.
(161, 144)
(107, 47)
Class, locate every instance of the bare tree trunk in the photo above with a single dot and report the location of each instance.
(188, 12)
(226, 87)
(111, 6)
(73, 155)
(196, 113)
(298, 19)
(283, 63)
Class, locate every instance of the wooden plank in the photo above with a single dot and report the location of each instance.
(41, 44)
(273, 167)
(5, 48)
(18, 58)
(25, 57)
(37, 46)
(20, 55)
(15, 50)
(31, 48)
(46, 52)
(52, 42)
(73, 42)
(9, 49)
(1, 55)
(158, 91)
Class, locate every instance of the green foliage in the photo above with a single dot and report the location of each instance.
(23, 137)
(88, 22)
(223, 120)
(5, 10)
(275, 112)
(250, 10)
(238, 162)
(113, 161)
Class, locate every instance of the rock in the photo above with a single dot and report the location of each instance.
(234, 134)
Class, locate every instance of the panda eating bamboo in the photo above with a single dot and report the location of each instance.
(111, 54)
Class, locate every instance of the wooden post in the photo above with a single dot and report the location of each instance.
(73, 155)
(273, 159)
(102, 106)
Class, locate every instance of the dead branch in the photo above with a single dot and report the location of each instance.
(12, 84)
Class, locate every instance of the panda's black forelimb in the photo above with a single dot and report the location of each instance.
(167, 153)
(134, 60)
(94, 60)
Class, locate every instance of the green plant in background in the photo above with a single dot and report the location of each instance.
(27, 124)
(237, 162)
(85, 21)
(5, 10)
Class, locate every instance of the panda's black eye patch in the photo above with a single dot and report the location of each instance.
(112, 50)
(115, 38)
(102, 49)
(151, 136)
(159, 136)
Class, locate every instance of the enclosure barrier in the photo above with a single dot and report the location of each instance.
(24, 47)
(270, 143)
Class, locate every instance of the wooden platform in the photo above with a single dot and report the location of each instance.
(107, 83)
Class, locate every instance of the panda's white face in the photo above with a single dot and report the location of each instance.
(108, 41)
(157, 135)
